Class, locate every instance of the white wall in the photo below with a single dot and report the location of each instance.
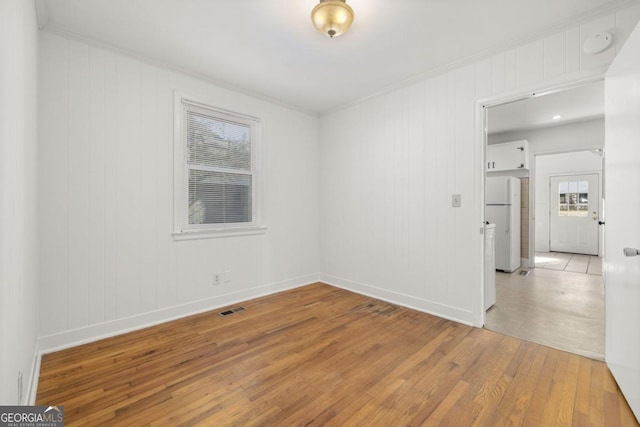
(109, 262)
(552, 165)
(390, 164)
(18, 170)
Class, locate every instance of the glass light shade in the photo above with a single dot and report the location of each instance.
(332, 17)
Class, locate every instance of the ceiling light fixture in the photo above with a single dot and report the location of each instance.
(332, 17)
(557, 117)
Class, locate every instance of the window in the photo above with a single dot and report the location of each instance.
(216, 171)
(573, 198)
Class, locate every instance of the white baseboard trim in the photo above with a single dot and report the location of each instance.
(441, 310)
(527, 263)
(32, 390)
(75, 337)
(68, 339)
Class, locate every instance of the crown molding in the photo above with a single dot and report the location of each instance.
(62, 32)
(44, 23)
(488, 53)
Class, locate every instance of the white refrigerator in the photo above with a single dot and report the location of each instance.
(502, 208)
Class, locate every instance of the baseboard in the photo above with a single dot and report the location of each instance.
(32, 390)
(527, 263)
(72, 338)
(409, 301)
(67, 339)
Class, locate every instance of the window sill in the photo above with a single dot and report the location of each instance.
(213, 233)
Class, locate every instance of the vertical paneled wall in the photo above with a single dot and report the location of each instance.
(109, 261)
(18, 198)
(390, 165)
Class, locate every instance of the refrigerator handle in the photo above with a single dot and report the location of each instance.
(508, 227)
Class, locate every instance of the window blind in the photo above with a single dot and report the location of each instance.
(219, 164)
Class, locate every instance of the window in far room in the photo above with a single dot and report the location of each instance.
(573, 198)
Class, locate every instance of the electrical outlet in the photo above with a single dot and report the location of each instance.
(227, 276)
(456, 200)
(217, 279)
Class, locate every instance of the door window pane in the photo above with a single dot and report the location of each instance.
(563, 210)
(583, 186)
(573, 187)
(563, 187)
(573, 198)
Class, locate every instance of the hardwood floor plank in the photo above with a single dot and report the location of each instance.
(322, 356)
(568, 394)
(596, 401)
(611, 411)
(582, 407)
(541, 390)
(448, 404)
(487, 389)
(347, 407)
(517, 401)
(433, 381)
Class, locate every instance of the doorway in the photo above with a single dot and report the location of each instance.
(559, 307)
(574, 214)
(580, 168)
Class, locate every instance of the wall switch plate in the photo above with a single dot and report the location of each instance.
(217, 279)
(227, 276)
(456, 200)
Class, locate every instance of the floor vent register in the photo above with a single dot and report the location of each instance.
(230, 312)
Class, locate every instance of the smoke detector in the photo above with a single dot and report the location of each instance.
(597, 43)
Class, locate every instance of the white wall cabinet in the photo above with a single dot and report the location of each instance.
(508, 156)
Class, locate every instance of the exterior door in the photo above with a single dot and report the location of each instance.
(622, 229)
(574, 214)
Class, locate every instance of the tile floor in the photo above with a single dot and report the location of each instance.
(552, 306)
(576, 263)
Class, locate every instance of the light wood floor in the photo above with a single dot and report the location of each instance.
(561, 309)
(318, 355)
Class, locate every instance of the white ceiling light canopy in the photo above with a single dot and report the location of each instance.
(332, 17)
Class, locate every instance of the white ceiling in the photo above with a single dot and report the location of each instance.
(573, 105)
(269, 48)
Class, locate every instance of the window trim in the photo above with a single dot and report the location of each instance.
(182, 230)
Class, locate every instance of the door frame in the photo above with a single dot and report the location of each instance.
(481, 139)
(600, 175)
(533, 172)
